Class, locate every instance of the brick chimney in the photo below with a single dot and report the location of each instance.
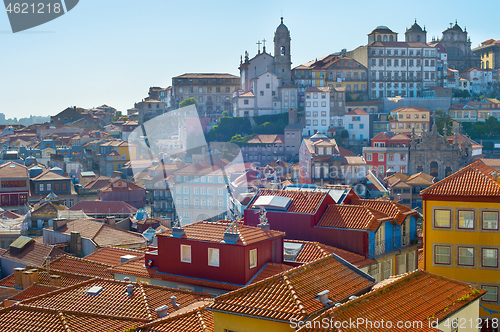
(18, 277)
(29, 277)
(75, 244)
(55, 280)
(58, 223)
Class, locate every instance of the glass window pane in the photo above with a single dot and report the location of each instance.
(466, 219)
(490, 257)
(490, 220)
(213, 257)
(492, 294)
(466, 256)
(442, 218)
(442, 255)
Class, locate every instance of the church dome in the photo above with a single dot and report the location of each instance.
(282, 28)
(415, 27)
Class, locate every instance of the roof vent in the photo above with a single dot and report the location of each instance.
(338, 304)
(323, 297)
(353, 297)
(130, 289)
(94, 290)
(173, 301)
(126, 279)
(126, 258)
(162, 311)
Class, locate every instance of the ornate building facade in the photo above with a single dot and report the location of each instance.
(458, 48)
(434, 154)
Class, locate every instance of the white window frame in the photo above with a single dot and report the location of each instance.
(253, 258)
(213, 257)
(185, 253)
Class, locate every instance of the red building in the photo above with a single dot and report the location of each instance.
(216, 251)
(388, 151)
(14, 185)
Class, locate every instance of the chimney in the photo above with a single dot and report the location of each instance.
(292, 116)
(130, 289)
(323, 297)
(58, 223)
(75, 244)
(177, 231)
(110, 221)
(162, 311)
(29, 277)
(18, 276)
(55, 280)
(173, 301)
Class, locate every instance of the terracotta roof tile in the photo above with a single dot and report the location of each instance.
(18, 171)
(357, 111)
(392, 209)
(34, 254)
(22, 318)
(197, 320)
(315, 250)
(113, 299)
(111, 255)
(269, 270)
(32, 291)
(80, 266)
(293, 293)
(214, 232)
(414, 297)
(101, 207)
(473, 180)
(136, 267)
(306, 202)
(67, 279)
(267, 139)
(352, 217)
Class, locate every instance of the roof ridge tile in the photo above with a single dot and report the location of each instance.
(294, 295)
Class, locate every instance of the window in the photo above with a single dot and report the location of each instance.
(245, 101)
(492, 295)
(253, 258)
(466, 219)
(369, 157)
(490, 220)
(40, 187)
(56, 186)
(442, 255)
(64, 186)
(185, 253)
(374, 269)
(213, 257)
(380, 157)
(489, 257)
(442, 218)
(466, 256)
(49, 187)
(268, 85)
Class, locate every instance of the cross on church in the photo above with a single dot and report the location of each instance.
(264, 46)
(258, 43)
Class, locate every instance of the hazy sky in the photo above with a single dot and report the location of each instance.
(112, 51)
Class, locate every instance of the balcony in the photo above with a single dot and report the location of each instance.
(162, 198)
(379, 248)
(163, 209)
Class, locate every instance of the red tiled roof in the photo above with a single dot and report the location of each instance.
(9, 215)
(102, 234)
(392, 209)
(357, 111)
(306, 202)
(352, 217)
(18, 171)
(473, 180)
(26, 318)
(410, 109)
(269, 270)
(34, 254)
(135, 267)
(315, 250)
(214, 232)
(418, 296)
(71, 264)
(113, 299)
(67, 279)
(267, 139)
(111, 255)
(32, 291)
(293, 293)
(197, 320)
(100, 207)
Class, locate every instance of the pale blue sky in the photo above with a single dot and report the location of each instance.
(112, 51)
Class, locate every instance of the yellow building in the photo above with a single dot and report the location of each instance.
(279, 302)
(489, 51)
(405, 119)
(461, 231)
(114, 155)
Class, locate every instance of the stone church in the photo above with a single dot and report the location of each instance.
(458, 48)
(434, 155)
(266, 79)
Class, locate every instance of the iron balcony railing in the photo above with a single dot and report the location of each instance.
(393, 243)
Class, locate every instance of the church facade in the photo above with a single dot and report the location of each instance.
(266, 80)
(458, 48)
(435, 155)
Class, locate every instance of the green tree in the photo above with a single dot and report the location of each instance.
(188, 101)
(442, 120)
(225, 114)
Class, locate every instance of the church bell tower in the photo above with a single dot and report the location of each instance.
(282, 55)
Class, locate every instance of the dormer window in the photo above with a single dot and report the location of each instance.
(320, 150)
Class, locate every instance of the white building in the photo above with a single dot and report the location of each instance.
(357, 123)
(478, 78)
(317, 110)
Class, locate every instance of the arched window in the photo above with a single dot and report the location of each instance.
(418, 38)
(282, 50)
(391, 38)
(419, 169)
(434, 171)
(487, 65)
(385, 37)
(379, 38)
(448, 171)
